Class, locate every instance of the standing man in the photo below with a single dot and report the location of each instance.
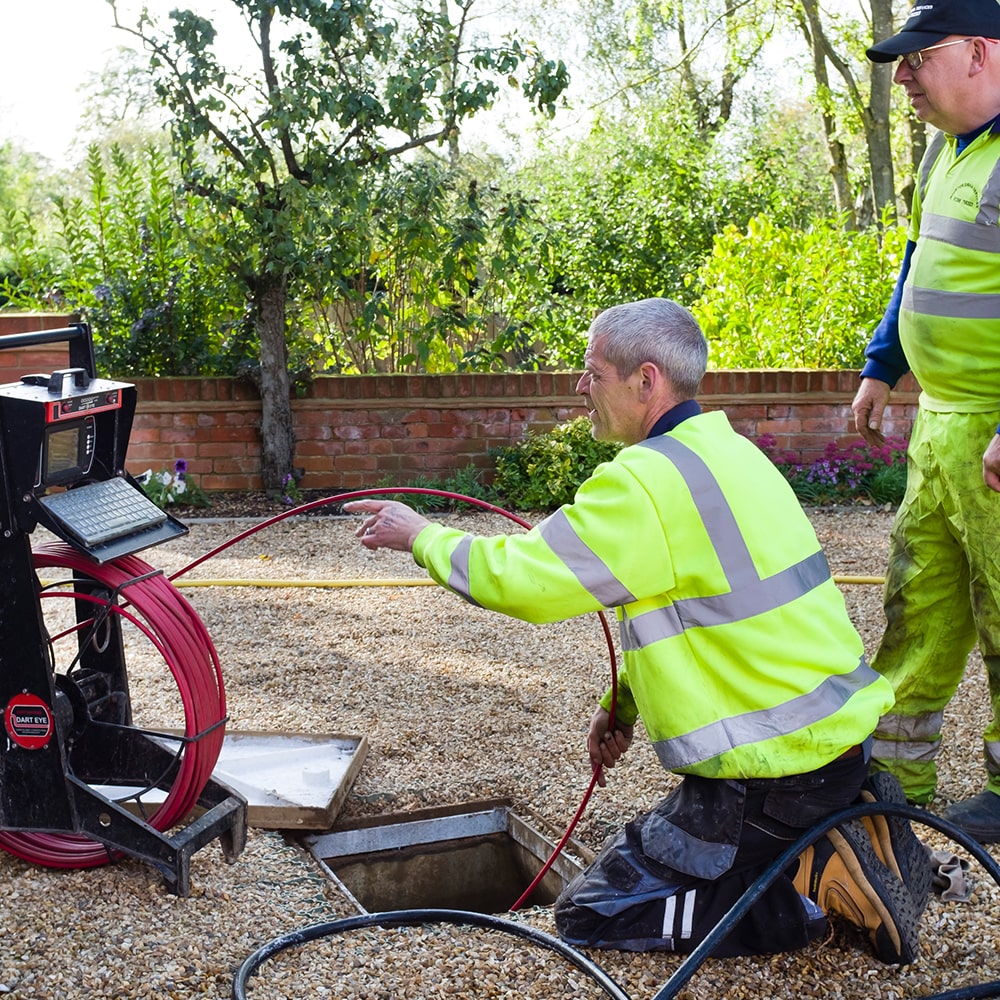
(738, 654)
(942, 590)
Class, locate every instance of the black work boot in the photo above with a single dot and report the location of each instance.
(979, 816)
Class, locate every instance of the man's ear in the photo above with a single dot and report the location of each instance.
(650, 380)
(980, 55)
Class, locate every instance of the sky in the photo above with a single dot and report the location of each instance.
(48, 49)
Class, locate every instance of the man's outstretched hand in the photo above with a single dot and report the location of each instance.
(389, 524)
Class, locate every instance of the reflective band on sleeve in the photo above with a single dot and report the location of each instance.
(726, 734)
(458, 578)
(592, 573)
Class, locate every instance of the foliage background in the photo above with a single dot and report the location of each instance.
(675, 165)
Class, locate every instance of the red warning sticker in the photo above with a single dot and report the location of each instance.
(29, 721)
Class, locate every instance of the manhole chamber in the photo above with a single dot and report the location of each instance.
(478, 857)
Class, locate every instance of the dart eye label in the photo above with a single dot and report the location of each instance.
(28, 721)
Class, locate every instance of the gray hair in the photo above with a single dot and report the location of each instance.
(658, 330)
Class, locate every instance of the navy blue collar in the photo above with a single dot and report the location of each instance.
(963, 140)
(674, 416)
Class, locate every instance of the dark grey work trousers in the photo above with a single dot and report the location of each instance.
(665, 880)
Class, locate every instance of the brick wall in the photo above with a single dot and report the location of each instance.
(357, 431)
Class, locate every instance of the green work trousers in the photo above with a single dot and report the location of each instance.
(942, 596)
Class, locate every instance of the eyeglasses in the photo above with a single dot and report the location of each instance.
(916, 59)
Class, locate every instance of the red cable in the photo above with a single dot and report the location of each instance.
(359, 494)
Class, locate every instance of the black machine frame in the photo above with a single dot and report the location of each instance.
(66, 733)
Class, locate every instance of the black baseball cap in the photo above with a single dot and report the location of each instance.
(931, 21)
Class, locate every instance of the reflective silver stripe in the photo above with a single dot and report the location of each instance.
(915, 728)
(698, 612)
(989, 202)
(726, 734)
(670, 912)
(581, 560)
(687, 922)
(960, 305)
(930, 158)
(727, 539)
(957, 233)
(916, 753)
(458, 578)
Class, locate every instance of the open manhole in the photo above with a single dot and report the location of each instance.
(478, 857)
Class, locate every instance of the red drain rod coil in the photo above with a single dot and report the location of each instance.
(164, 616)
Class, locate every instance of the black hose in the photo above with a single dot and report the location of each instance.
(684, 972)
(691, 964)
(410, 918)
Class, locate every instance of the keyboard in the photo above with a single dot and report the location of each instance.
(101, 512)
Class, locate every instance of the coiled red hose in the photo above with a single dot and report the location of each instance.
(164, 616)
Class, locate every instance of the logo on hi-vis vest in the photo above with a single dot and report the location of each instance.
(29, 721)
(966, 194)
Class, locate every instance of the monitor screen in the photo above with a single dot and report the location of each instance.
(67, 452)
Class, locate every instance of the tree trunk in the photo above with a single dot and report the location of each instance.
(876, 116)
(840, 177)
(277, 435)
(918, 146)
(873, 109)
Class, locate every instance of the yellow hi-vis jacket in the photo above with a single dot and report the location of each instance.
(949, 320)
(738, 651)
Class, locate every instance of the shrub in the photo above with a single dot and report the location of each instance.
(779, 297)
(844, 474)
(544, 471)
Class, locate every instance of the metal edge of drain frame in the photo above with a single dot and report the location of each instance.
(388, 832)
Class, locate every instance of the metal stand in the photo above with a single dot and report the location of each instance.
(69, 732)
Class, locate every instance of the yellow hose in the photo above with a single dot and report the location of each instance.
(406, 582)
(403, 582)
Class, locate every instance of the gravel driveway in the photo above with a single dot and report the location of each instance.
(458, 704)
